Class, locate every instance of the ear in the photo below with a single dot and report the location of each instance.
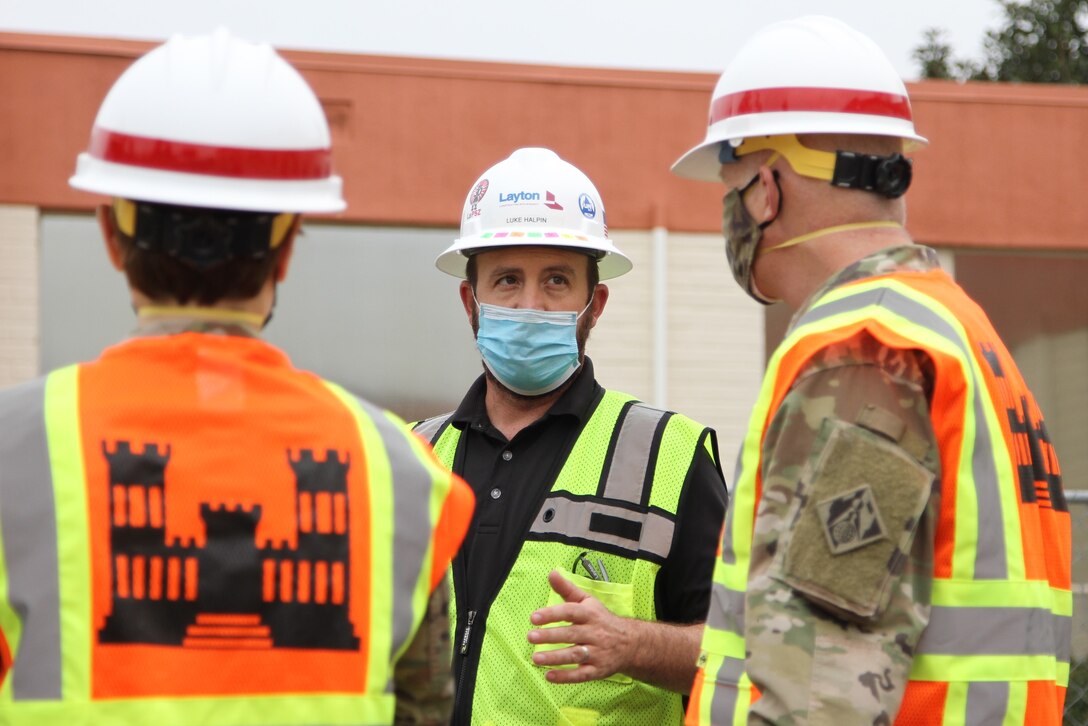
(770, 206)
(467, 299)
(288, 246)
(600, 299)
(109, 237)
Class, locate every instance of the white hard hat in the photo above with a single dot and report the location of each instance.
(811, 75)
(534, 198)
(212, 121)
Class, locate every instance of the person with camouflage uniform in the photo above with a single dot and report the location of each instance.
(898, 545)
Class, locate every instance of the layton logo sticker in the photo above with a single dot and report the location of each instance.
(519, 197)
(585, 203)
(529, 198)
(851, 520)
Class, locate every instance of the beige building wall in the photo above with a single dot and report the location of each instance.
(1056, 369)
(19, 335)
(713, 334)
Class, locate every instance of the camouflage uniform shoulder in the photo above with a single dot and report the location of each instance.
(422, 680)
(900, 258)
(843, 537)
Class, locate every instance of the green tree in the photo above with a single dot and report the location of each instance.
(934, 55)
(1039, 41)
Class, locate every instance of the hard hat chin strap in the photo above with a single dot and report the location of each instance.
(829, 231)
(889, 176)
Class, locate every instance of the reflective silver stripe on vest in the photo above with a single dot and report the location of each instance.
(411, 520)
(429, 428)
(569, 519)
(1063, 636)
(725, 691)
(729, 555)
(627, 470)
(726, 609)
(992, 631)
(990, 561)
(29, 526)
(986, 703)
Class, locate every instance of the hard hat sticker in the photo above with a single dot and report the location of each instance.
(475, 198)
(523, 198)
(585, 203)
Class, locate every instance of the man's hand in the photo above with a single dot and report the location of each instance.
(661, 654)
(601, 640)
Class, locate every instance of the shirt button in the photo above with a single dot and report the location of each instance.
(496, 493)
(507, 455)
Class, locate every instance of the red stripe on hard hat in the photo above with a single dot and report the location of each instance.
(280, 164)
(831, 100)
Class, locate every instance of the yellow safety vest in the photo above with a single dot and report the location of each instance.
(615, 499)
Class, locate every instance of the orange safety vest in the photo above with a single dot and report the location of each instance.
(997, 646)
(193, 531)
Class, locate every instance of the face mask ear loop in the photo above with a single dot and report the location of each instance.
(592, 295)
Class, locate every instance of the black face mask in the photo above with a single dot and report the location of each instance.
(742, 235)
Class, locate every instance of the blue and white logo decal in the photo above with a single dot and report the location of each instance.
(585, 203)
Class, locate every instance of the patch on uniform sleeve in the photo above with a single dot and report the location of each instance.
(851, 520)
(852, 528)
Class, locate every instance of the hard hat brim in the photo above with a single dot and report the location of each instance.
(614, 263)
(212, 192)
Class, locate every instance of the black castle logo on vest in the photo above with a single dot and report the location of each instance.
(230, 593)
(1036, 464)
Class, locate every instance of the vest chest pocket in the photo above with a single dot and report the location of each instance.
(618, 597)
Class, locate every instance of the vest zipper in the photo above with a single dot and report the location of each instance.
(460, 700)
(467, 633)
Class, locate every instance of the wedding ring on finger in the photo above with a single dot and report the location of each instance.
(585, 653)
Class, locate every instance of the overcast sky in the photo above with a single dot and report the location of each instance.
(698, 35)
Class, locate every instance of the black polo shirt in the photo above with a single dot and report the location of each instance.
(511, 477)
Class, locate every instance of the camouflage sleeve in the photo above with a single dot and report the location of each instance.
(422, 680)
(843, 539)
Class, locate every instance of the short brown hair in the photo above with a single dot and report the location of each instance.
(162, 276)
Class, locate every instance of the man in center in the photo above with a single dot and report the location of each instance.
(579, 595)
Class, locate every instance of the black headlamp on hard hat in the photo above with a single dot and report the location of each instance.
(888, 176)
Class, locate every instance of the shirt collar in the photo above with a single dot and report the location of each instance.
(575, 401)
(171, 320)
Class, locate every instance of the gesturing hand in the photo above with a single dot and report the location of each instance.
(601, 642)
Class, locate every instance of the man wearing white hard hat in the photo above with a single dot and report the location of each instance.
(898, 549)
(191, 529)
(579, 593)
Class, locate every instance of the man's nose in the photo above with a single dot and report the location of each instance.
(530, 299)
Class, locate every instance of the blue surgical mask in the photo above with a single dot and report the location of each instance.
(531, 352)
